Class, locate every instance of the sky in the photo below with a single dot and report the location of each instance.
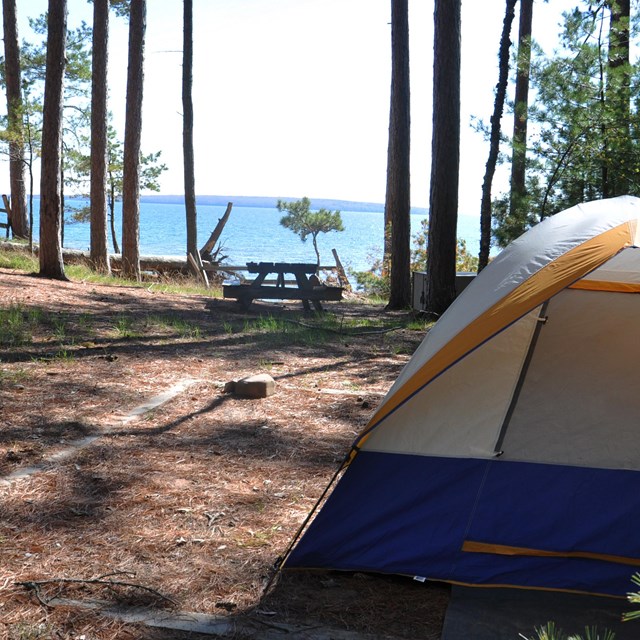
(291, 97)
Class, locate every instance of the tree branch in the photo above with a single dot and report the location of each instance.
(36, 585)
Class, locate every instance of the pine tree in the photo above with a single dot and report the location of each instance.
(99, 123)
(132, 136)
(51, 264)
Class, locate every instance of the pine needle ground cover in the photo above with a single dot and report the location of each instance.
(183, 503)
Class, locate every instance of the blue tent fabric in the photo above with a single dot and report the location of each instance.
(398, 513)
(390, 512)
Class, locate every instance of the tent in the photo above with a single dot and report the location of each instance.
(507, 453)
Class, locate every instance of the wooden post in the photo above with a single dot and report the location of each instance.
(342, 276)
(198, 268)
(7, 209)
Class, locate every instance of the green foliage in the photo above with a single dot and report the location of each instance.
(121, 7)
(584, 133)
(634, 598)
(549, 631)
(78, 175)
(375, 281)
(465, 261)
(77, 72)
(508, 226)
(304, 223)
(77, 89)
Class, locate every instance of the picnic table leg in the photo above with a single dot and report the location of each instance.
(303, 283)
(245, 300)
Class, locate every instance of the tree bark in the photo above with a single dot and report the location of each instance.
(494, 137)
(99, 115)
(187, 131)
(13, 81)
(51, 264)
(132, 136)
(398, 195)
(517, 206)
(445, 158)
(618, 102)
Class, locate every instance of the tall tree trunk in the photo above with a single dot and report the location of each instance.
(398, 197)
(618, 103)
(187, 131)
(132, 135)
(51, 264)
(517, 206)
(494, 137)
(445, 158)
(13, 80)
(98, 189)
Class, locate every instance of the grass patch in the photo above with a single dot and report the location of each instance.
(177, 325)
(350, 326)
(324, 327)
(59, 324)
(124, 327)
(20, 260)
(63, 356)
(17, 325)
(278, 332)
(419, 324)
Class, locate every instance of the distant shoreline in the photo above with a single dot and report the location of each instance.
(270, 202)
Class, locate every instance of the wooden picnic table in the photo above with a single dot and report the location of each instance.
(307, 287)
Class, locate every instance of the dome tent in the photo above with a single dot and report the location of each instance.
(508, 450)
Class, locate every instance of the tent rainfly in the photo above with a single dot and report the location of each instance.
(507, 453)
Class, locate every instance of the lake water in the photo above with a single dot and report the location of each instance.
(255, 234)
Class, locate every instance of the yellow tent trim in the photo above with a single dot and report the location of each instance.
(506, 550)
(542, 285)
(602, 285)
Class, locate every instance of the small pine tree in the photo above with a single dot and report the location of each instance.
(304, 222)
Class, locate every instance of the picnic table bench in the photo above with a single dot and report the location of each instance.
(307, 287)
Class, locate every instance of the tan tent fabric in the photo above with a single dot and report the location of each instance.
(529, 285)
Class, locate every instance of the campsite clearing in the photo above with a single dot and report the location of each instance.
(193, 499)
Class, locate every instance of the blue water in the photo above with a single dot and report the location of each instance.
(255, 234)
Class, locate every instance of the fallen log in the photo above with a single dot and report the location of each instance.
(161, 264)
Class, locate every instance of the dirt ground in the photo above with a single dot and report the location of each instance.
(185, 504)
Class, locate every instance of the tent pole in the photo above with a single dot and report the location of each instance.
(542, 318)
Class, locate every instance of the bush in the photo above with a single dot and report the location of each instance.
(375, 281)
